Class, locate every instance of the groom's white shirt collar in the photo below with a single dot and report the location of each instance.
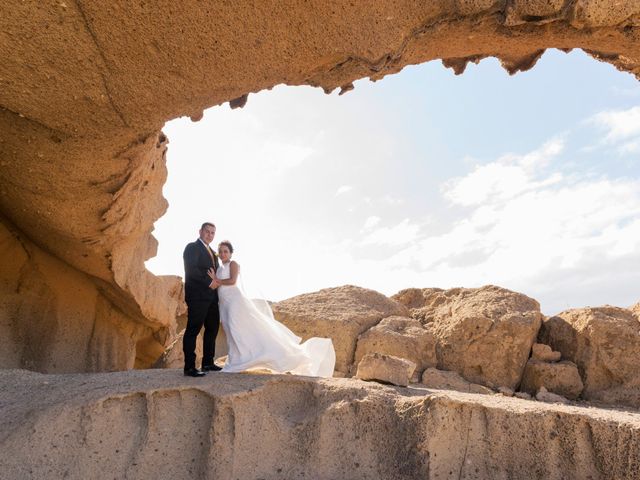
(205, 245)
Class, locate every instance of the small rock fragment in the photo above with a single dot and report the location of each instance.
(523, 395)
(545, 396)
(506, 391)
(543, 352)
(386, 369)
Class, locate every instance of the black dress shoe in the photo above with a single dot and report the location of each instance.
(211, 368)
(193, 372)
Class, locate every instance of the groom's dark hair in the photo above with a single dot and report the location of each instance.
(207, 224)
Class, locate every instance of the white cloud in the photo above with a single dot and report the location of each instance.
(524, 225)
(278, 156)
(343, 189)
(621, 127)
(509, 176)
(620, 124)
(403, 233)
(391, 200)
(265, 179)
(371, 222)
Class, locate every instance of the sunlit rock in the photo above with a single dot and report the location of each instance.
(604, 342)
(341, 313)
(402, 337)
(385, 369)
(485, 334)
(560, 377)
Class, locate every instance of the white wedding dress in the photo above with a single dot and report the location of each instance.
(257, 341)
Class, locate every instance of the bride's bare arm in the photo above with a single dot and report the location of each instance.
(235, 270)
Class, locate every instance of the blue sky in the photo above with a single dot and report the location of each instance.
(423, 179)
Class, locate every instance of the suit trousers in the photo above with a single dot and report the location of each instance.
(199, 313)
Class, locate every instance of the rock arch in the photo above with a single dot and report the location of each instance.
(86, 87)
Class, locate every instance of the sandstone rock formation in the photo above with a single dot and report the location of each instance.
(523, 395)
(386, 369)
(604, 343)
(443, 380)
(506, 391)
(341, 313)
(545, 396)
(56, 318)
(561, 378)
(543, 352)
(485, 334)
(159, 424)
(85, 88)
(402, 337)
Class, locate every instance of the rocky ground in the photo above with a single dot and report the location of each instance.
(160, 424)
(486, 339)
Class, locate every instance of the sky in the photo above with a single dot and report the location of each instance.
(422, 179)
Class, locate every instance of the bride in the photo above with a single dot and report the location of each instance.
(255, 339)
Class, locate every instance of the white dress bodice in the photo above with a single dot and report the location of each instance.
(224, 271)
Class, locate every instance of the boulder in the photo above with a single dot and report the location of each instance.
(506, 391)
(386, 369)
(522, 395)
(543, 352)
(561, 378)
(636, 309)
(402, 337)
(443, 380)
(604, 343)
(485, 334)
(545, 396)
(340, 313)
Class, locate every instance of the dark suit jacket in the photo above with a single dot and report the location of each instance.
(196, 281)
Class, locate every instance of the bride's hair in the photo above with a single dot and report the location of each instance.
(227, 244)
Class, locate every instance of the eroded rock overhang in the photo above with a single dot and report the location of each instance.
(85, 88)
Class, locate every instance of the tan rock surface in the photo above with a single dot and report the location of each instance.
(444, 380)
(341, 313)
(173, 356)
(506, 391)
(159, 424)
(386, 369)
(523, 395)
(543, 352)
(561, 378)
(402, 337)
(55, 318)
(604, 343)
(544, 395)
(485, 334)
(85, 88)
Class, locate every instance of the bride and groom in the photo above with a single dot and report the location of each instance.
(255, 340)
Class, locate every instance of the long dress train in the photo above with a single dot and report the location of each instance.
(258, 341)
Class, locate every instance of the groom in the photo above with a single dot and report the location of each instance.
(202, 302)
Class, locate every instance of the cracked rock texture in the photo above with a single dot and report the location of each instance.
(604, 342)
(561, 378)
(485, 334)
(159, 424)
(85, 88)
(401, 337)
